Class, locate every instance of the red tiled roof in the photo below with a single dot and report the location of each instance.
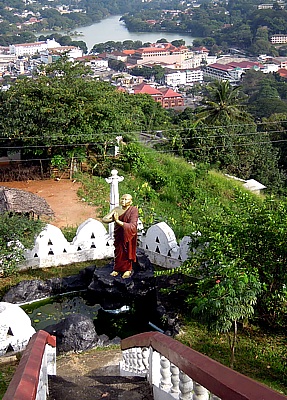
(167, 92)
(29, 44)
(129, 52)
(121, 89)
(245, 64)
(146, 89)
(222, 67)
(282, 72)
(118, 53)
(87, 57)
(160, 47)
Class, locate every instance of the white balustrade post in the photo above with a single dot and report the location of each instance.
(185, 386)
(125, 355)
(145, 355)
(154, 368)
(134, 360)
(200, 392)
(165, 374)
(114, 180)
(174, 379)
(140, 366)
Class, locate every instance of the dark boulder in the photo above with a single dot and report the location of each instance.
(28, 291)
(116, 292)
(74, 333)
(77, 333)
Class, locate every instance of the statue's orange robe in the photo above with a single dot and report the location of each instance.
(126, 240)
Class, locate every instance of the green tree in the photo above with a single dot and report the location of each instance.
(64, 109)
(251, 241)
(222, 105)
(225, 296)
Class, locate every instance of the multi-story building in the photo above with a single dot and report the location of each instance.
(6, 62)
(231, 71)
(29, 49)
(50, 55)
(278, 39)
(187, 77)
(167, 97)
(160, 52)
(194, 75)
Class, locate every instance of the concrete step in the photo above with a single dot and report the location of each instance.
(95, 375)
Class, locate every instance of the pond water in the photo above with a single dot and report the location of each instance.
(51, 311)
(123, 322)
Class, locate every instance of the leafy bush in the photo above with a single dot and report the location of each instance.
(16, 233)
(155, 177)
(132, 157)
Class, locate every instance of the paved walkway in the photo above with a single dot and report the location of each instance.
(94, 375)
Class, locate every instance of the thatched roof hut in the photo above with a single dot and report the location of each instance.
(22, 202)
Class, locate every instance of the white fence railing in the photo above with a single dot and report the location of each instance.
(92, 242)
(177, 372)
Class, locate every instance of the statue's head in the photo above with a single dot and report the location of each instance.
(126, 200)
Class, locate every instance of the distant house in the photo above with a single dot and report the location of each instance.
(50, 55)
(93, 61)
(280, 61)
(22, 202)
(118, 56)
(250, 184)
(167, 97)
(171, 98)
(282, 72)
(144, 88)
(254, 186)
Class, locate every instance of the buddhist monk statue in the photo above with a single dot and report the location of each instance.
(125, 235)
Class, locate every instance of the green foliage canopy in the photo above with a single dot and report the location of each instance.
(63, 108)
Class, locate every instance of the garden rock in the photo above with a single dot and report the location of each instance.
(74, 333)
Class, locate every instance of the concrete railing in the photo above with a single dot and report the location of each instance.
(176, 371)
(30, 381)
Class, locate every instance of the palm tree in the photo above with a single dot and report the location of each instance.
(222, 105)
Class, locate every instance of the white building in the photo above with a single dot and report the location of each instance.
(187, 77)
(29, 49)
(6, 61)
(194, 75)
(269, 68)
(278, 39)
(223, 72)
(175, 78)
(195, 61)
(50, 55)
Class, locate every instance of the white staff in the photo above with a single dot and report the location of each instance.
(114, 180)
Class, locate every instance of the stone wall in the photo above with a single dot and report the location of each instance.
(92, 242)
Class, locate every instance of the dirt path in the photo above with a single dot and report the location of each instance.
(62, 197)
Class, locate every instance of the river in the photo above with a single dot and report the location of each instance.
(113, 29)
